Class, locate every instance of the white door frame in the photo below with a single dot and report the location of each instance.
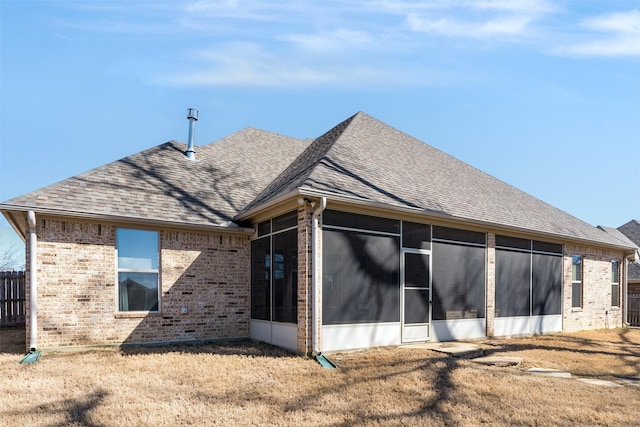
(418, 331)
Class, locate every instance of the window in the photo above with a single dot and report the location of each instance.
(274, 270)
(615, 283)
(576, 281)
(138, 259)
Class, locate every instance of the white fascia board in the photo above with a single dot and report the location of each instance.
(6, 209)
(310, 192)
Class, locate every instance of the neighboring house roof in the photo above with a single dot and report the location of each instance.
(360, 160)
(634, 272)
(631, 230)
(161, 184)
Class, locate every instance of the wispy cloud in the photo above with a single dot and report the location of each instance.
(248, 64)
(614, 34)
(480, 19)
(468, 29)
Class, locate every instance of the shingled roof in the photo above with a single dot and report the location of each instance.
(361, 160)
(365, 160)
(632, 231)
(161, 184)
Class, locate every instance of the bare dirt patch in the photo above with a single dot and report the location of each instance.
(246, 383)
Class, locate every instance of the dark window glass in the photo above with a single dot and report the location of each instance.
(615, 295)
(546, 287)
(264, 228)
(615, 271)
(285, 276)
(456, 235)
(552, 248)
(416, 235)
(513, 242)
(513, 277)
(416, 270)
(416, 306)
(260, 278)
(362, 222)
(576, 294)
(138, 291)
(287, 220)
(458, 281)
(361, 274)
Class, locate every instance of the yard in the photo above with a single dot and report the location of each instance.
(246, 383)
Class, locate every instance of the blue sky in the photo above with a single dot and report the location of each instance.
(544, 95)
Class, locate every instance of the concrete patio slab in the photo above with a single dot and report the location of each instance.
(602, 383)
(501, 361)
(633, 381)
(549, 372)
(456, 349)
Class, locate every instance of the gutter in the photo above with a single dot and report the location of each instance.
(625, 289)
(456, 220)
(223, 228)
(315, 276)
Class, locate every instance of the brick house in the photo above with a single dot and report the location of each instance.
(362, 237)
(631, 230)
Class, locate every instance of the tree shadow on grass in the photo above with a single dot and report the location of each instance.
(242, 347)
(72, 411)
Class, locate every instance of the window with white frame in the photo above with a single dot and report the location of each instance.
(576, 281)
(138, 270)
(615, 283)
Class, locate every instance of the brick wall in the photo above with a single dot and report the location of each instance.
(596, 312)
(204, 282)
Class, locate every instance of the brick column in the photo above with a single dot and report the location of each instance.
(491, 284)
(304, 344)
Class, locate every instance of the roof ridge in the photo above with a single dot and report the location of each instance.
(303, 165)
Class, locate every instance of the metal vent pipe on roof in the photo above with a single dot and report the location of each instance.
(192, 115)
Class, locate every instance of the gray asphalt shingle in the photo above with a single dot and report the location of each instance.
(361, 159)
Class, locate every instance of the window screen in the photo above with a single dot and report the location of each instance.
(361, 222)
(453, 234)
(546, 285)
(416, 306)
(361, 274)
(513, 278)
(415, 235)
(285, 277)
(458, 281)
(260, 278)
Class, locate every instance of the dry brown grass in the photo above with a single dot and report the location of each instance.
(246, 383)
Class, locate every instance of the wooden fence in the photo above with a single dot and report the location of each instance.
(633, 310)
(12, 298)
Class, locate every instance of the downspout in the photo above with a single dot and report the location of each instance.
(315, 275)
(625, 289)
(33, 283)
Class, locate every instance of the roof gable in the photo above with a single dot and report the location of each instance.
(162, 184)
(632, 230)
(367, 160)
